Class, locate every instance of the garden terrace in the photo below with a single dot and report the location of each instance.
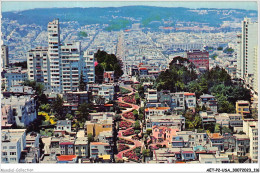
(130, 99)
(125, 124)
(128, 132)
(129, 115)
(122, 147)
(123, 141)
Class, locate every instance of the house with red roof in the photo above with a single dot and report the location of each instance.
(67, 159)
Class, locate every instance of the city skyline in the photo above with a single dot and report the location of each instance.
(9, 6)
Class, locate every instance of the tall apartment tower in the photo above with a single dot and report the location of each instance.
(60, 65)
(71, 66)
(247, 52)
(38, 65)
(54, 56)
(4, 55)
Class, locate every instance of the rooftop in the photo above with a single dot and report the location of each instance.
(98, 143)
(66, 157)
(215, 136)
(157, 108)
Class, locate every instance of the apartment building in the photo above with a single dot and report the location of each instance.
(63, 125)
(4, 55)
(7, 118)
(98, 125)
(32, 152)
(223, 119)
(207, 117)
(152, 96)
(216, 140)
(54, 56)
(99, 149)
(209, 101)
(23, 108)
(106, 91)
(199, 58)
(248, 53)
(190, 100)
(14, 76)
(70, 66)
(242, 144)
(105, 136)
(213, 158)
(12, 144)
(155, 111)
(243, 107)
(61, 65)
(38, 65)
(235, 120)
(81, 144)
(189, 139)
(250, 127)
(89, 67)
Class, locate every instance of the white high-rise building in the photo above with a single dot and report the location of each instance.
(59, 66)
(4, 55)
(37, 63)
(247, 53)
(71, 66)
(54, 56)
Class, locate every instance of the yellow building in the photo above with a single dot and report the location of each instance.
(242, 107)
(96, 127)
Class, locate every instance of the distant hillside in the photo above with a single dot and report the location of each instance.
(125, 16)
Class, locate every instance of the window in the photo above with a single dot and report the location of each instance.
(12, 153)
(4, 147)
(12, 159)
(4, 159)
(12, 147)
(4, 153)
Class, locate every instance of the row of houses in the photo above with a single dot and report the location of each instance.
(173, 139)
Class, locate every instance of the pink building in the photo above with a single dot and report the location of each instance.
(108, 76)
(7, 119)
(163, 135)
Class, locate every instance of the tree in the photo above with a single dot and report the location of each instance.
(241, 133)
(217, 128)
(226, 130)
(83, 112)
(45, 108)
(137, 125)
(210, 127)
(117, 117)
(69, 116)
(149, 131)
(141, 90)
(90, 137)
(220, 48)
(22, 64)
(135, 112)
(57, 107)
(99, 72)
(82, 84)
(140, 117)
(137, 132)
(147, 153)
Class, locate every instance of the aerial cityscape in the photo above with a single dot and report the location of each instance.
(129, 84)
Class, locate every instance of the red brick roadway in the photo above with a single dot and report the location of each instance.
(137, 143)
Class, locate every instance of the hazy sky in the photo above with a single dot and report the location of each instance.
(21, 5)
